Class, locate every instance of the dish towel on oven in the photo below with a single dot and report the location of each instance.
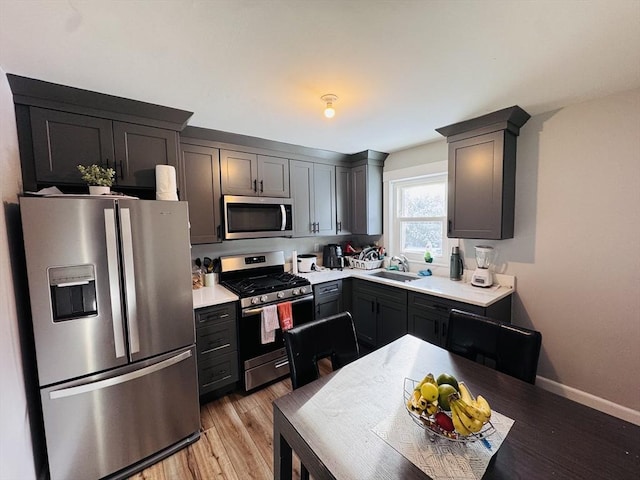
(268, 324)
(285, 315)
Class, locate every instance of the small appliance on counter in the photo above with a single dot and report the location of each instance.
(456, 267)
(482, 275)
(307, 263)
(332, 256)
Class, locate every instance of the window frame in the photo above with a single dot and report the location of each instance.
(435, 173)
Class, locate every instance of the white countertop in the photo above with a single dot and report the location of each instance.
(208, 296)
(433, 285)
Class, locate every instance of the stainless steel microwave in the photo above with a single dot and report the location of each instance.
(257, 217)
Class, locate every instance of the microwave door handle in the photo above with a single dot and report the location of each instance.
(129, 279)
(283, 212)
(114, 280)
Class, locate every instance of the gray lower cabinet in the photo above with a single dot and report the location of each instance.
(200, 186)
(429, 315)
(328, 298)
(379, 313)
(250, 174)
(217, 348)
(313, 190)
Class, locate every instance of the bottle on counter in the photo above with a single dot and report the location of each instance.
(456, 268)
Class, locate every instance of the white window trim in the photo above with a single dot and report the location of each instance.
(391, 227)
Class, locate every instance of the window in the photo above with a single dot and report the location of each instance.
(418, 208)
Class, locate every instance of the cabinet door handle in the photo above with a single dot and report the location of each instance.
(377, 308)
(255, 186)
(339, 226)
(449, 226)
(219, 232)
(261, 186)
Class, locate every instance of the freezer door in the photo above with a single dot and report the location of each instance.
(157, 276)
(108, 422)
(72, 267)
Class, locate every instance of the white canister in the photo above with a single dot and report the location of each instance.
(306, 263)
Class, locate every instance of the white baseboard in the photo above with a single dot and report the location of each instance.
(606, 406)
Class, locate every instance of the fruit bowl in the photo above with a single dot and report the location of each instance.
(429, 423)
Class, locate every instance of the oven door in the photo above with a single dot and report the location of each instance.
(263, 363)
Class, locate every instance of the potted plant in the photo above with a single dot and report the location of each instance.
(98, 178)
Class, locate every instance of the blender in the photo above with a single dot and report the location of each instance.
(482, 275)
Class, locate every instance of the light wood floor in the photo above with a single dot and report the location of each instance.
(236, 440)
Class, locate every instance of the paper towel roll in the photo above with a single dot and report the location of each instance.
(294, 262)
(166, 183)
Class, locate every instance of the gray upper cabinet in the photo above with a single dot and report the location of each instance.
(254, 175)
(201, 188)
(482, 169)
(313, 191)
(344, 198)
(61, 127)
(366, 212)
(63, 140)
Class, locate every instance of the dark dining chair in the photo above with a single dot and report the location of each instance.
(332, 337)
(306, 344)
(504, 347)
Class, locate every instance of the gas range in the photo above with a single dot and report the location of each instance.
(260, 279)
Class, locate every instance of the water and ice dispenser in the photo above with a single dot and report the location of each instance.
(73, 292)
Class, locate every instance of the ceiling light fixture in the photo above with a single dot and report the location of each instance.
(329, 111)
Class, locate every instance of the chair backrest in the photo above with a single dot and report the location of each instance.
(333, 337)
(507, 348)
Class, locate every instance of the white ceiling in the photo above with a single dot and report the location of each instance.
(400, 68)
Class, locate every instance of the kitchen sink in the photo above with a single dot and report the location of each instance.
(400, 277)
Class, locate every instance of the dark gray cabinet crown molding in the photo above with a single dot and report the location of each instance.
(249, 144)
(510, 119)
(32, 92)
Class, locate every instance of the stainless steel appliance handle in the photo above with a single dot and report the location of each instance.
(247, 312)
(283, 213)
(114, 280)
(129, 279)
(108, 382)
(282, 364)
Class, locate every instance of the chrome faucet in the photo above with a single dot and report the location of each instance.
(403, 263)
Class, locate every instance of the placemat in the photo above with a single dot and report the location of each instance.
(442, 459)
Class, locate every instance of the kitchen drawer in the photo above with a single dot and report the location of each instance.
(441, 306)
(328, 288)
(217, 371)
(216, 313)
(216, 338)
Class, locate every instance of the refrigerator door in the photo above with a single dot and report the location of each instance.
(105, 423)
(157, 276)
(73, 271)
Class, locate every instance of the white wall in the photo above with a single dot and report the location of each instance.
(16, 453)
(575, 252)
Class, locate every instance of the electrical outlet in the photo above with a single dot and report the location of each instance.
(316, 247)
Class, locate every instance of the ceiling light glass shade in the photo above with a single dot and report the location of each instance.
(329, 111)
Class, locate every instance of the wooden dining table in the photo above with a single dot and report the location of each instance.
(329, 423)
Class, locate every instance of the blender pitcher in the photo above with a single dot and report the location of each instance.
(482, 275)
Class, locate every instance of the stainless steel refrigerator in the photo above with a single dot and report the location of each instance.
(112, 311)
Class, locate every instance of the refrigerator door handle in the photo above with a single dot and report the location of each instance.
(108, 382)
(129, 280)
(114, 280)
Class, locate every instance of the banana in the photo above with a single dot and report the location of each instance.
(472, 411)
(482, 405)
(473, 425)
(457, 423)
(465, 394)
(414, 402)
(432, 408)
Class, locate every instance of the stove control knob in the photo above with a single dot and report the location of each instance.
(263, 298)
(296, 291)
(280, 294)
(254, 300)
(303, 289)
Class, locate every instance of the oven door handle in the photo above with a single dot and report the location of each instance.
(247, 312)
